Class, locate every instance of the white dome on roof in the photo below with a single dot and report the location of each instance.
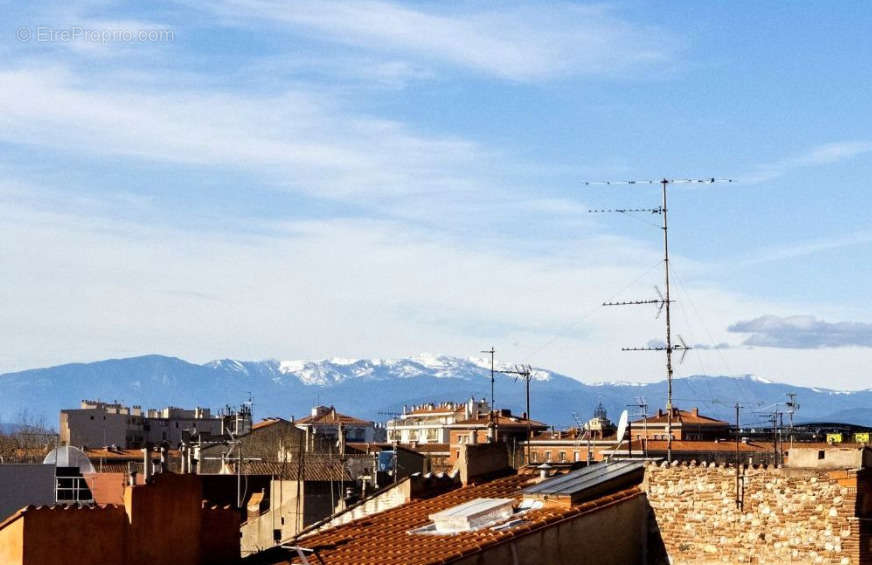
(69, 456)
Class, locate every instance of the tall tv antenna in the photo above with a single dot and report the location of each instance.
(524, 372)
(491, 426)
(662, 301)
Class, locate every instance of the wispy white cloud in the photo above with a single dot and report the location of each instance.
(298, 139)
(803, 332)
(825, 154)
(803, 248)
(513, 42)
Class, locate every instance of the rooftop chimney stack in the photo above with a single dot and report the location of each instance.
(146, 464)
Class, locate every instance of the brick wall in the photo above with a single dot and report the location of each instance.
(787, 515)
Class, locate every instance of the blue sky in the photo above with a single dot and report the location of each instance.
(257, 179)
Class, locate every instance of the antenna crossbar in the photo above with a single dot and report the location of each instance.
(633, 302)
(657, 210)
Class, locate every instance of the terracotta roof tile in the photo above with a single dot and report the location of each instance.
(332, 417)
(266, 422)
(501, 421)
(108, 454)
(701, 446)
(317, 468)
(684, 417)
(385, 538)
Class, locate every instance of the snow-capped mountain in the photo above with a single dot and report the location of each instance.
(374, 388)
(337, 370)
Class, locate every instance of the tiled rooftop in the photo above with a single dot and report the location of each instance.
(384, 538)
(266, 422)
(332, 417)
(684, 417)
(108, 454)
(501, 420)
(701, 446)
(316, 468)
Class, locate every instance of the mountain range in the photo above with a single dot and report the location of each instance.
(376, 389)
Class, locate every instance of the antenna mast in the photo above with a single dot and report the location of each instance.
(491, 430)
(663, 301)
(524, 371)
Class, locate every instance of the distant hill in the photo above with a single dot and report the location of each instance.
(374, 388)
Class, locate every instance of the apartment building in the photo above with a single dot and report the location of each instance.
(96, 424)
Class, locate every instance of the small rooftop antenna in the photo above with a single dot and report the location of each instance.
(642, 405)
(580, 425)
(662, 301)
(524, 371)
(792, 408)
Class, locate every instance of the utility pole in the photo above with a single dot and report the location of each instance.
(491, 426)
(663, 301)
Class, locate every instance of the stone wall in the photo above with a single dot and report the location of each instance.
(786, 515)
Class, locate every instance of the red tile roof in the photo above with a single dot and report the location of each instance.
(110, 454)
(316, 468)
(332, 417)
(501, 421)
(683, 417)
(384, 538)
(266, 422)
(700, 446)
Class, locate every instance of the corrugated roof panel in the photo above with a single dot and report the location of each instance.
(574, 483)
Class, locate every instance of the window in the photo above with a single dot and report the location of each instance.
(821, 454)
(562, 456)
(548, 456)
(534, 457)
(575, 456)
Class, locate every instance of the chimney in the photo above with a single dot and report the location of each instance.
(696, 411)
(183, 453)
(481, 460)
(194, 464)
(146, 464)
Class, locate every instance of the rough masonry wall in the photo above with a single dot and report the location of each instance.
(788, 515)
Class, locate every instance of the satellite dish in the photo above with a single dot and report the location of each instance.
(622, 426)
(69, 456)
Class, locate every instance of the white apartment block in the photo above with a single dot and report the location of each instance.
(98, 424)
(430, 423)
